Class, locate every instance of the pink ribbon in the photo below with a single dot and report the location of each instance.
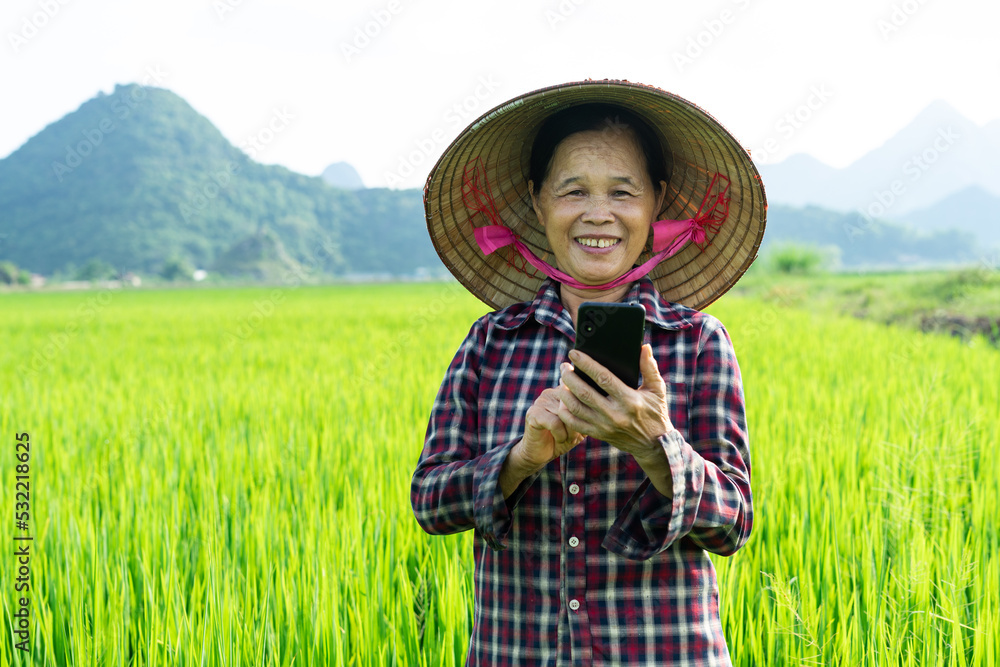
(669, 236)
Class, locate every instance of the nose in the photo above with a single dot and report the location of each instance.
(598, 211)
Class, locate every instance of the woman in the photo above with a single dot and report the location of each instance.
(593, 515)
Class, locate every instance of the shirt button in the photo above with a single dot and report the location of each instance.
(574, 489)
(574, 604)
(573, 541)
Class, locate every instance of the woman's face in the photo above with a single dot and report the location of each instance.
(597, 204)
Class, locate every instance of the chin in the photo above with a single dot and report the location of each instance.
(599, 280)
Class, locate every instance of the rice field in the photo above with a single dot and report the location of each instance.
(221, 477)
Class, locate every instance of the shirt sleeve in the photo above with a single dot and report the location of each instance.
(712, 502)
(456, 486)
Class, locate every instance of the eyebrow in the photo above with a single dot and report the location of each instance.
(576, 179)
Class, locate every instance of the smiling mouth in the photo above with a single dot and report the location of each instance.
(597, 242)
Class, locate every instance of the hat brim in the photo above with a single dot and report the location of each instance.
(502, 138)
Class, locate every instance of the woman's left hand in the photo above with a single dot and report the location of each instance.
(630, 419)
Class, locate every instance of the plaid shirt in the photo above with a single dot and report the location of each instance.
(587, 563)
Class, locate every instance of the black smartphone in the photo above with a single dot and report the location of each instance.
(611, 333)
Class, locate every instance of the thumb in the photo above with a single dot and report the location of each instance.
(651, 378)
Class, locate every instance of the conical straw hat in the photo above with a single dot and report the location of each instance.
(502, 138)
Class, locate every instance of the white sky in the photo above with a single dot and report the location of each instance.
(242, 62)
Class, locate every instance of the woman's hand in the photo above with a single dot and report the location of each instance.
(630, 419)
(546, 436)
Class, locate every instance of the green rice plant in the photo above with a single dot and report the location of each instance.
(221, 477)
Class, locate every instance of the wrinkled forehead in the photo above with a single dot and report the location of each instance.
(622, 147)
(591, 153)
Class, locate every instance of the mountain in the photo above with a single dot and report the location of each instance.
(937, 154)
(140, 180)
(862, 242)
(972, 210)
(261, 256)
(342, 175)
(801, 180)
(137, 176)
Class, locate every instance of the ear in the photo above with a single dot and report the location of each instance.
(534, 202)
(661, 197)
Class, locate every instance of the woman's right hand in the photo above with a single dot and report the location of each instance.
(546, 437)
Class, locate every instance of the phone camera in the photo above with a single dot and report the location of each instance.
(589, 328)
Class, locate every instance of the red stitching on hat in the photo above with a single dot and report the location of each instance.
(478, 198)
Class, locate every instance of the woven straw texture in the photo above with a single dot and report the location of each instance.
(502, 138)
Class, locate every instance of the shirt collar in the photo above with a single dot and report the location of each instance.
(547, 308)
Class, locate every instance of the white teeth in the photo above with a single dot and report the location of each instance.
(597, 243)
